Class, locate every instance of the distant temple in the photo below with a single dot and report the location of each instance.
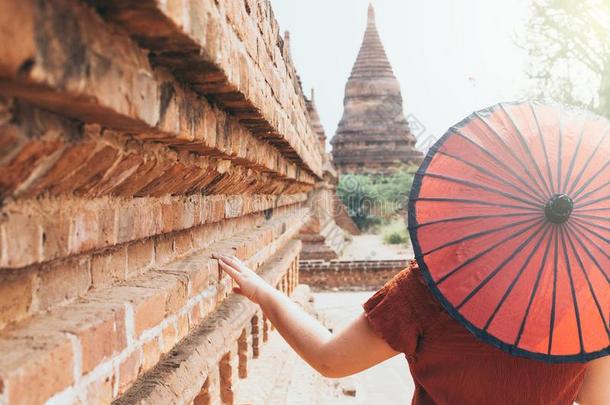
(373, 135)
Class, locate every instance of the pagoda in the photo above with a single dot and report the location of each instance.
(373, 135)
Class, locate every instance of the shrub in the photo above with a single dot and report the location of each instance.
(395, 233)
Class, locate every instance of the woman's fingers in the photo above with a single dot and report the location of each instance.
(232, 261)
(234, 273)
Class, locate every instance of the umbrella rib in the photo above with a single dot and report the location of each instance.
(510, 151)
(480, 186)
(478, 235)
(603, 228)
(586, 165)
(604, 198)
(593, 217)
(467, 201)
(594, 209)
(592, 242)
(534, 290)
(466, 218)
(560, 153)
(574, 299)
(516, 279)
(584, 196)
(554, 296)
(526, 147)
(501, 266)
(490, 174)
(546, 155)
(584, 186)
(483, 253)
(584, 272)
(499, 162)
(573, 160)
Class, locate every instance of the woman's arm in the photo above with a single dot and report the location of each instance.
(595, 389)
(349, 351)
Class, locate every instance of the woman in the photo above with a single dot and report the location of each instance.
(448, 364)
(508, 221)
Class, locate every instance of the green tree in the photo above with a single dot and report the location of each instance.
(357, 192)
(568, 42)
(372, 199)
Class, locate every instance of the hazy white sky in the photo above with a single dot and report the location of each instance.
(450, 56)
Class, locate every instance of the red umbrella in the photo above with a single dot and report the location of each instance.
(509, 221)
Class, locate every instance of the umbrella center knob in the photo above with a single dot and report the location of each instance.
(558, 208)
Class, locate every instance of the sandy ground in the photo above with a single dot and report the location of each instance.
(387, 383)
(280, 377)
(371, 247)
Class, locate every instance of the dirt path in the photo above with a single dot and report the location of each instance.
(371, 247)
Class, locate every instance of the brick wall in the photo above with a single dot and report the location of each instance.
(344, 275)
(322, 237)
(136, 138)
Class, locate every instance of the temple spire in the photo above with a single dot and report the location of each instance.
(314, 118)
(371, 16)
(372, 59)
(373, 135)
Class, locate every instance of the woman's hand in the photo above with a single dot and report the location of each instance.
(249, 284)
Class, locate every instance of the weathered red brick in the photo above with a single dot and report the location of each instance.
(164, 249)
(204, 397)
(99, 328)
(56, 235)
(129, 370)
(109, 267)
(70, 160)
(31, 371)
(11, 139)
(92, 171)
(183, 326)
(84, 231)
(174, 285)
(195, 315)
(145, 223)
(148, 304)
(117, 175)
(228, 376)
(99, 391)
(140, 255)
(168, 214)
(63, 281)
(151, 352)
(164, 183)
(21, 233)
(243, 352)
(169, 337)
(23, 164)
(107, 218)
(126, 218)
(16, 294)
(183, 242)
(142, 176)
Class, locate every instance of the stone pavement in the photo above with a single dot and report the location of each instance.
(279, 376)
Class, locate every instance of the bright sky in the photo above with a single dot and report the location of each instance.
(451, 56)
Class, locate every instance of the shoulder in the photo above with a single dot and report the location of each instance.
(399, 309)
(407, 286)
